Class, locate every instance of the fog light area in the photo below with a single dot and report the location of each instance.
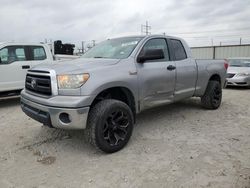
(65, 118)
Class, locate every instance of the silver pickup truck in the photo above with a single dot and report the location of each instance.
(103, 90)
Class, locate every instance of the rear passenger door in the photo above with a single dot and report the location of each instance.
(186, 73)
(13, 67)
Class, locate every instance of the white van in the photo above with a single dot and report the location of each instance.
(15, 60)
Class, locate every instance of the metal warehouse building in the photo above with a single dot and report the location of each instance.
(221, 52)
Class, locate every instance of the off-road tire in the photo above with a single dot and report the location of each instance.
(101, 125)
(213, 95)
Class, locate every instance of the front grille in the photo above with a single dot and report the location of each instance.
(229, 75)
(40, 84)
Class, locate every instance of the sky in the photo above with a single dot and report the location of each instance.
(199, 22)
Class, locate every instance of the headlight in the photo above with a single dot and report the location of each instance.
(71, 81)
(243, 74)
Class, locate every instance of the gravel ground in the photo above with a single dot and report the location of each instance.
(179, 145)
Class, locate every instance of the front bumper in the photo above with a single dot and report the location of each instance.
(63, 118)
(238, 81)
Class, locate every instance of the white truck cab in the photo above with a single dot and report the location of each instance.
(16, 59)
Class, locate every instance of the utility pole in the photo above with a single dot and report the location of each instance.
(212, 42)
(93, 42)
(83, 47)
(240, 41)
(145, 29)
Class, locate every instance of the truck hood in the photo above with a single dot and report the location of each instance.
(76, 66)
(235, 70)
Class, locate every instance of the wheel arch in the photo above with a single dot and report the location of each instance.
(215, 77)
(120, 93)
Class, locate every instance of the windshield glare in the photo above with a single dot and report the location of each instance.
(239, 62)
(119, 48)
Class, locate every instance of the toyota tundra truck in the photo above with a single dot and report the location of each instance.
(103, 90)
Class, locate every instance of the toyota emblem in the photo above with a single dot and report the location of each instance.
(33, 84)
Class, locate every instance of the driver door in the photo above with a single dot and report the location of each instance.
(156, 79)
(13, 67)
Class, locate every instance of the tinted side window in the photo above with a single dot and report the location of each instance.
(38, 53)
(157, 44)
(20, 54)
(11, 54)
(179, 50)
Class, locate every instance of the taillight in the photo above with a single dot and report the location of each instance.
(226, 64)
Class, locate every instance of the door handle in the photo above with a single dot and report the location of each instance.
(25, 67)
(171, 67)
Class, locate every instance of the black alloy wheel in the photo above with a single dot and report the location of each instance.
(212, 96)
(110, 125)
(115, 127)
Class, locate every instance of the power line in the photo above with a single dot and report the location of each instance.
(211, 25)
(219, 36)
(212, 31)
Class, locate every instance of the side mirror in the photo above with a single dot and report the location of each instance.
(150, 54)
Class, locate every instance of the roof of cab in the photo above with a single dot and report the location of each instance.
(21, 43)
(146, 36)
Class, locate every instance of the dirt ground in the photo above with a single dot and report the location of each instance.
(179, 145)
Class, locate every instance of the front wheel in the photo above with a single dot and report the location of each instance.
(213, 95)
(110, 125)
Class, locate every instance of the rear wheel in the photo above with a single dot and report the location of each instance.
(110, 125)
(213, 95)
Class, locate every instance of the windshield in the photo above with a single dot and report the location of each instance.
(239, 62)
(119, 48)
